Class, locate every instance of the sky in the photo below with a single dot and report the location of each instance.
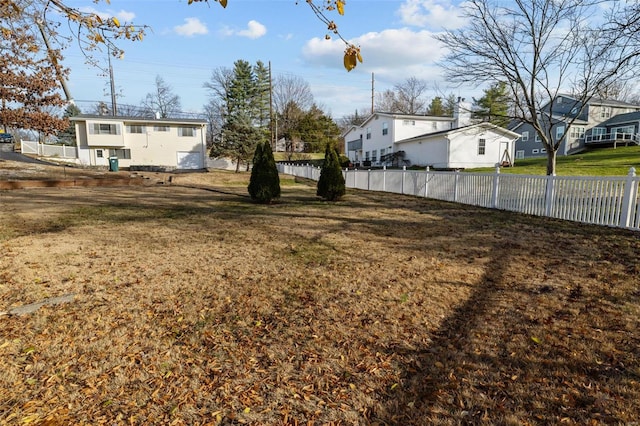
(185, 43)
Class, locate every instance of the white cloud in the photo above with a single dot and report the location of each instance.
(254, 30)
(191, 27)
(126, 16)
(395, 49)
(122, 15)
(434, 14)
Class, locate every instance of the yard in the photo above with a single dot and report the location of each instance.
(185, 303)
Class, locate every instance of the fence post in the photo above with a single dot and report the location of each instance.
(549, 195)
(455, 187)
(496, 187)
(404, 170)
(426, 182)
(384, 178)
(630, 195)
(368, 179)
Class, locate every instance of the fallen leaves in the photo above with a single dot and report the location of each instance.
(206, 317)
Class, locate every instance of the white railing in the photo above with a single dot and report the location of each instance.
(44, 150)
(604, 200)
(613, 137)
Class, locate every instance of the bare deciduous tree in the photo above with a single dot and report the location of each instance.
(541, 49)
(407, 97)
(162, 101)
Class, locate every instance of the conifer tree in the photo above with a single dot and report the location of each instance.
(264, 184)
(331, 185)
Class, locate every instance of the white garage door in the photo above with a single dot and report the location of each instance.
(189, 160)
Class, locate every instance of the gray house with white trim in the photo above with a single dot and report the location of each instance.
(564, 109)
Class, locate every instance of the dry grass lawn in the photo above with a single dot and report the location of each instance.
(191, 305)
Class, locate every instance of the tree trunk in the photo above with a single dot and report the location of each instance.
(551, 162)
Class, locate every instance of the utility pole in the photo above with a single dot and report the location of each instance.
(114, 110)
(372, 91)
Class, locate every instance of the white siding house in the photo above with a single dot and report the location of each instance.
(477, 145)
(422, 140)
(140, 142)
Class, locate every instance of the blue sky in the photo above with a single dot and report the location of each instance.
(187, 42)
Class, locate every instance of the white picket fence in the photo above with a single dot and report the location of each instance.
(45, 150)
(603, 200)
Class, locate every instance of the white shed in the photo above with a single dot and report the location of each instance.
(478, 145)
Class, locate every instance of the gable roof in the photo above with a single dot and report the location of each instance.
(621, 119)
(482, 126)
(599, 101)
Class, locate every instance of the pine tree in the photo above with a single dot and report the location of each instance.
(68, 135)
(331, 185)
(264, 184)
(494, 105)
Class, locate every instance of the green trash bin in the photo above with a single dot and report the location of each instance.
(113, 164)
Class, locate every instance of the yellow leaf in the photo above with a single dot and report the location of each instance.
(536, 339)
(349, 61)
(116, 22)
(190, 1)
(340, 5)
(359, 57)
(247, 410)
(223, 3)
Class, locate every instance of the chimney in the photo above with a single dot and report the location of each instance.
(461, 113)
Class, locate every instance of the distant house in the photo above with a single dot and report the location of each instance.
(564, 109)
(141, 143)
(387, 139)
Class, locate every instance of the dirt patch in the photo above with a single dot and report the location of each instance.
(194, 306)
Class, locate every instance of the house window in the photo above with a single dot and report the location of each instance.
(559, 132)
(605, 112)
(623, 132)
(482, 145)
(99, 153)
(559, 100)
(525, 136)
(385, 129)
(368, 132)
(122, 154)
(543, 151)
(160, 128)
(434, 125)
(408, 122)
(186, 131)
(374, 155)
(366, 156)
(535, 151)
(576, 132)
(104, 129)
(519, 155)
(382, 153)
(537, 138)
(135, 128)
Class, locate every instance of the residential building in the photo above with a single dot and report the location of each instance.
(565, 115)
(141, 143)
(388, 139)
